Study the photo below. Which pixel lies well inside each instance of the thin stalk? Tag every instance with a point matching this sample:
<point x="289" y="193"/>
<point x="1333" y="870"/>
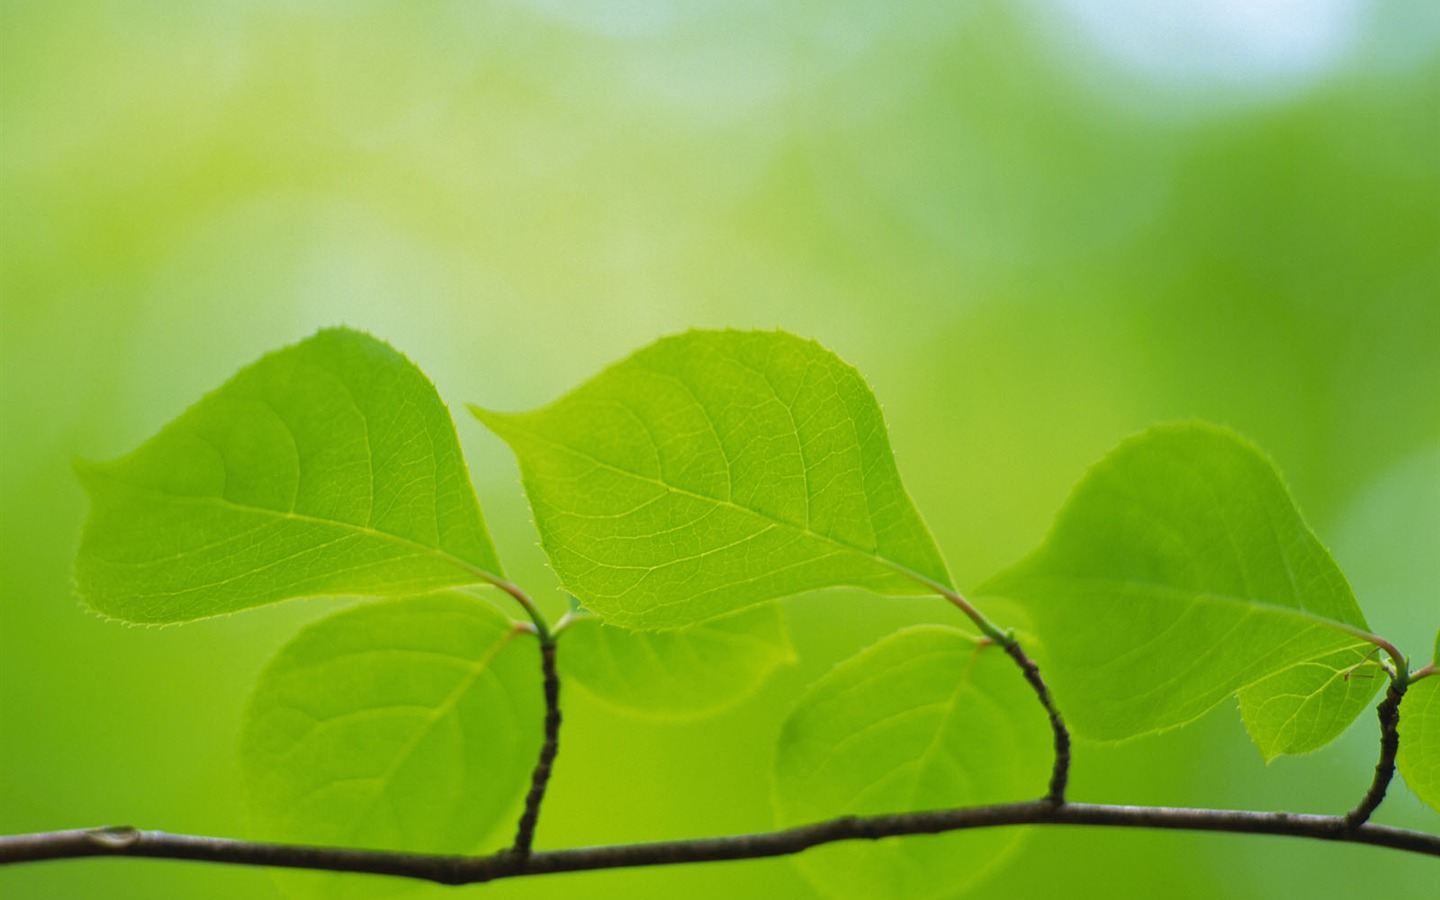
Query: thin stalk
<point x="1389" y="714"/>
<point x="542" y="627"/>
<point x="549" y="748"/>
<point x="1060" y="769"/>
<point x="550" y="743"/>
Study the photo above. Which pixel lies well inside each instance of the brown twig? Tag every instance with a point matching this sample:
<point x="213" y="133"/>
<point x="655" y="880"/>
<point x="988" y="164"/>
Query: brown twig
<point x="1389" y="714"/>
<point x="540" y="778"/>
<point x="131" y="842"/>
<point x="1060" y="770"/>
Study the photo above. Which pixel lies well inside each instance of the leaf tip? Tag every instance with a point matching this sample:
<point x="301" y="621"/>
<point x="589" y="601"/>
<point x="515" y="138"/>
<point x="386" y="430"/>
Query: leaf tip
<point x="495" y="421"/>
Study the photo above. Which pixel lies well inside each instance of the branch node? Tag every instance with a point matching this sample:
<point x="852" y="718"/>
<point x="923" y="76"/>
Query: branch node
<point x="115" y="837"/>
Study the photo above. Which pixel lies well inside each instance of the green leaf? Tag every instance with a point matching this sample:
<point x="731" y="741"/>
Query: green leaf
<point x="330" y="467"/>
<point x="404" y="724"/>
<point x="1179" y="573"/>
<point x="712" y="471"/>
<point x="925" y="719"/>
<point x="1305" y="707"/>
<point x="1419" y="756"/>
<point x="685" y="673"/>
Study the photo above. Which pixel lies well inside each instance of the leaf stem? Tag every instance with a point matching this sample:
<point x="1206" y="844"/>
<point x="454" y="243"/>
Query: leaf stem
<point x="1060" y="769"/>
<point x="570" y="618"/>
<point x="131" y="842"/>
<point x="542" y="627"/>
<point x="1389" y="714"/>
<point x="1400" y="662"/>
<point x="550" y="743"/>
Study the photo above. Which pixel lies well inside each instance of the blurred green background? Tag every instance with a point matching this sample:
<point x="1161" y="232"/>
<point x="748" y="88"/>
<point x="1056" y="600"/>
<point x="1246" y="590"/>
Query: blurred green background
<point x="1036" y="227"/>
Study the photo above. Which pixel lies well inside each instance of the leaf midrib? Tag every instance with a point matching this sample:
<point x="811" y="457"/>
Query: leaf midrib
<point x="1198" y="596"/>
<point x="894" y="566"/>
<point x="480" y="574"/>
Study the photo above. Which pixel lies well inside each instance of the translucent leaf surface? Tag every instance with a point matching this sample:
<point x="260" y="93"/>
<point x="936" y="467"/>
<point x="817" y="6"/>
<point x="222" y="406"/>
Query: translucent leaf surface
<point x="683" y="673"/>
<point x="1305" y="707"/>
<point x="329" y="467"/>
<point x="405" y="724"/>
<point x="925" y="719"/>
<point x="1419" y="757"/>
<point x="1178" y="573"/>
<point x="715" y="470"/>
